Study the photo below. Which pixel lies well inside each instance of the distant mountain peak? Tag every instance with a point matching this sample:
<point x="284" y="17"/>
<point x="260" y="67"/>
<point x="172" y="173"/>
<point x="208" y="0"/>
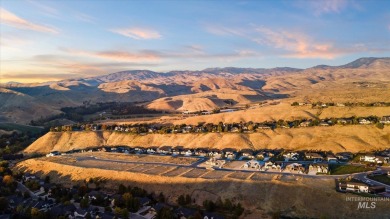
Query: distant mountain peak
<point x="365" y="62"/>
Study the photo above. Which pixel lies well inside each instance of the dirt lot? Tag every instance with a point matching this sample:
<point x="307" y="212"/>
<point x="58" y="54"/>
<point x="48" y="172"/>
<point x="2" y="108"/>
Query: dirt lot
<point x="140" y="158"/>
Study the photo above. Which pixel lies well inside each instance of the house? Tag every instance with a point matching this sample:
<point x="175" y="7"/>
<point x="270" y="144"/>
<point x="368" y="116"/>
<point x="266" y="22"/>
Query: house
<point x="364" y="121"/>
<point x="263" y="127"/>
<point x="314" y="156"/>
<point x="201" y="152"/>
<point x="215" y="153"/>
<point x="291" y="156"/>
<point x="247" y="153"/>
<point x="350" y="186"/>
<point x="230" y="153"/>
<point x="319" y="168"/>
<point x="375" y="159"/>
<point x="164" y="150"/>
<point x="235" y="129"/>
<point x="53" y="153"/>
<point x="264" y="155"/>
<point x="227" y="110"/>
<point x="295" y="167"/>
<point x="385" y="120"/>
<point x="177" y="150"/>
<point x="214" y="162"/>
<point x="323" y="123"/>
<point x="344" y="155"/>
<point x="189" y="152"/>
<point x="271" y="165"/>
<point x="152" y="150"/>
<point x="252" y="165"/>
<point x="340" y="104"/>
<point x="331" y="158"/>
<point x="305" y="124"/>
<point x="139" y="150"/>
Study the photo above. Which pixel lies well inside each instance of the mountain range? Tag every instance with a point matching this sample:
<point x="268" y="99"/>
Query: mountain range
<point x="192" y="90"/>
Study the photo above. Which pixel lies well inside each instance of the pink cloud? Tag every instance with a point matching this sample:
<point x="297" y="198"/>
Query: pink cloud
<point x="117" y="55"/>
<point x="10" y="19"/>
<point x="138" y="33"/>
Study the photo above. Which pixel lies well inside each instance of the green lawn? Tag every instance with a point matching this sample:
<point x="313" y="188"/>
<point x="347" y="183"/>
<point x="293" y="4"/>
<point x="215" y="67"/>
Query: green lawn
<point x="22" y="128"/>
<point x="381" y="178"/>
<point x="348" y="169"/>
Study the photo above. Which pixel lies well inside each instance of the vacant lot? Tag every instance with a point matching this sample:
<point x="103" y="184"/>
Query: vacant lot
<point x="195" y="173"/>
<point x="177" y="171"/>
<point x="140" y="158"/>
<point x="240" y="175"/>
<point x="216" y="174"/>
<point x="347" y="169"/>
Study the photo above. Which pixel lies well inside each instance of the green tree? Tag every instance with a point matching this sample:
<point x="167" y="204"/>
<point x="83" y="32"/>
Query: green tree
<point x="188" y="199"/>
<point x="380" y="125"/>
<point x="84" y="203"/>
<point x="165" y="213"/>
<point x="181" y="200"/>
<point x="121" y="189"/>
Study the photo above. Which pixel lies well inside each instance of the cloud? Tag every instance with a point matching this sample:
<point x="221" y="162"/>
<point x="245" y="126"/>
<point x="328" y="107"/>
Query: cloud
<point x="286" y="43"/>
<point x="138" y="33"/>
<point x="144" y="55"/>
<point x="298" y="45"/>
<point x="10" y="19"/>
<point x="320" y="7"/>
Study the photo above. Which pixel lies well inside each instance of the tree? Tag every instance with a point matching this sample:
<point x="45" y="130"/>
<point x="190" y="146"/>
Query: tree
<point x="188" y="199"/>
<point x="121" y="189"/>
<point x="380" y="126"/>
<point x="125" y="213"/>
<point x="164" y="213"/>
<point x="36" y="214"/>
<point x="84" y="203"/>
<point x="3" y="203"/>
<point x="8" y="180"/>
<point x="181" y="200"/>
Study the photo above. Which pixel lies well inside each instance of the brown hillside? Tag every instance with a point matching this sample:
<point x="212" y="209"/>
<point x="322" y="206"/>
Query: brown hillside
<point x="336" y="138"/>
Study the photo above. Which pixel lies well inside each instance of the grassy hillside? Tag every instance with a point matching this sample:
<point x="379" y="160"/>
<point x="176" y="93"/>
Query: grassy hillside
<point x="335" y="138"/>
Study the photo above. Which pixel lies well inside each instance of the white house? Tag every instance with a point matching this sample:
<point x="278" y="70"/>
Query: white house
<point x="364" y="121"/>
<point x="331" y="158"/>
<point x="353" y="187"/>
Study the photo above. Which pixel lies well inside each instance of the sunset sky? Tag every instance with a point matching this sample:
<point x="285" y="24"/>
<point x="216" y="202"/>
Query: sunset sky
<point x="54" y="40"/>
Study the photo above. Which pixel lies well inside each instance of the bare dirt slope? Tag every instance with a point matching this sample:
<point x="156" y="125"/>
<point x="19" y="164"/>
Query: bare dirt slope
<point x="335" y="138"/>
<point x="264" y="194"/>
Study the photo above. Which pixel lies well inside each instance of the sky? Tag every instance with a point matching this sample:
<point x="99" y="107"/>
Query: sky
<point x="55" y="40"/>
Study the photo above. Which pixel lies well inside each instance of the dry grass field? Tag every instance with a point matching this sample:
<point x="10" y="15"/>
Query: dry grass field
<point x="337" y="138"/>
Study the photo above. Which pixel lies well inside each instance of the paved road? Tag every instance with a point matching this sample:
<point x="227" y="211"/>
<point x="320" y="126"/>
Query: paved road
<point x="24" y="189"/>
